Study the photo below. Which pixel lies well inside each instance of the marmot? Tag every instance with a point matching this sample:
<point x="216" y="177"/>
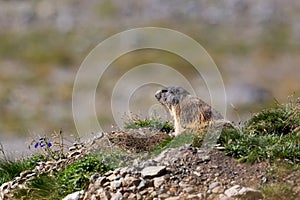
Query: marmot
<point x="189" y="112"/>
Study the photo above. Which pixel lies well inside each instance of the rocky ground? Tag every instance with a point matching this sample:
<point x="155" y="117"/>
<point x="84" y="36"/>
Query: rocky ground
<point x="185" y="172"/>
<point x="179" y="173"/>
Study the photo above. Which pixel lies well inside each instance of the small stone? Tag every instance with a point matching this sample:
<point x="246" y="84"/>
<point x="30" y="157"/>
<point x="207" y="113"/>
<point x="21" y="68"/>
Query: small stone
<point x="233" y="191"/>
<point x="100" y="181"/>
<point x="213" y="185"/>
<point x="117" y="196"/>
<point x="74" y="196"/>
<point x="94" y="177"/>
<point x="173" y="190"/>
<point x="197" y="173"/>
<point x="132" y="196"/>
<point x="106" y="184"/>
<point x="183" y="184"/>
<point x="158" y="181"/>
<point x="153" y="194"/>
<point x="217" y="190"/>
<point x="5" y="186"/>
<point x="144" y="192"/>
<point x="129" y="181"/>
<point x="124" y="171"/>
<point x="132" y="188"/>
<point x="188" y="190"/>
<point x="116" y="184"/>
<point x="205" y="158"/>
<point x="73" y="154"/>
<point x="144" y="184"/>
<point x="111" y="177"/>
<point x="108" y="173"/>
<point x="192" y="196"/>
<point x="224" y="197"/>
<point x="172" y="198"/>
<point x="163" y="196"/>
<point x="250" y="194"/>
<point x="72" y="148"/>
<point x="25" y="173"/>
<point x="105" y="195"/>
<point x="139" y="196"/>
<point x="153" y="171"/>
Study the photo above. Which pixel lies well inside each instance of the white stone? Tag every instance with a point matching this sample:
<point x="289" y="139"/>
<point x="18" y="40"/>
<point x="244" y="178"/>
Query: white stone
<point x="250" y="194"/>
<point x="233" y="191"/>
<point x="158" y="181"/>
<point x="74" y="196"/>
<point x="152" y="171"/>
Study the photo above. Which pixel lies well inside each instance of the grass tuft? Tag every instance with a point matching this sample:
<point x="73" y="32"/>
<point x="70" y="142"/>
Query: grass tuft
<point x="269" y="135"/>
<point x="153" y="123"/>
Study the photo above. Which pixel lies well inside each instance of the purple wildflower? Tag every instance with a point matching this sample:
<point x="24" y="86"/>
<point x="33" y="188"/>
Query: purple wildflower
<point x="42" y="144"/>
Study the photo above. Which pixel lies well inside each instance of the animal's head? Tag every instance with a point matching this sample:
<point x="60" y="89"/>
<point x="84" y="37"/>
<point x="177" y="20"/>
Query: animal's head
<point x="171" y="95"/>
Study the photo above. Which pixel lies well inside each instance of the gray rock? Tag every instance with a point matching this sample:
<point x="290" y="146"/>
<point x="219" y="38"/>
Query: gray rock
<point x="116" y="184"/>
<point x="250" y="194"/>
<point x="94" y="177"/>
<point x="188" y="190"/>
<point x="172" y="198"/>
<point x="74" y="196"/>
<point x="153" y="171"/>
<point x="111" y="177"/>
<point x="105" y="195"/>
<point x="213" y="185"/>
<point x="117" y="196"/>
<point x="233" y="191"/>
<point x="158" y="181"/>
<point x="101" y="181"/>
<point x="25" y="173"/>
<point x="144" y="184"/>
<point x="217" y="190"/>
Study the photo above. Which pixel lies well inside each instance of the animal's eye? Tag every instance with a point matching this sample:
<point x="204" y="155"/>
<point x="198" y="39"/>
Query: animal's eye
<point x="164" y="90"/>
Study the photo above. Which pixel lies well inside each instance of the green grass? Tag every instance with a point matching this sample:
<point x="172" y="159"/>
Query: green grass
<point x="41" y="187"/>
<point x="10" y="169"/>
<point x="278" y="192"/>
<point x="76" y="176"/>
<point x="182" y="139"/>
<point x="269" y="135"/>
<point x="73" y="178"/>
<point x="154" y="123"/>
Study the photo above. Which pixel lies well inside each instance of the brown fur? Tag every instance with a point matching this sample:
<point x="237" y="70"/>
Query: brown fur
<point x="189" y="112"/>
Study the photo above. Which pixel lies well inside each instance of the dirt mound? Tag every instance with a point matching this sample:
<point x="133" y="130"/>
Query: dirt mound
<point x="137" y="140"/>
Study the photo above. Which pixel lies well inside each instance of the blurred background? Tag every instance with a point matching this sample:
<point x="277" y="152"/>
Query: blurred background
<point x="255" y="44"/>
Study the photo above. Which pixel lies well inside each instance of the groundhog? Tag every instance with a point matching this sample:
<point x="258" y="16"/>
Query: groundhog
<point x="189" y="112"/>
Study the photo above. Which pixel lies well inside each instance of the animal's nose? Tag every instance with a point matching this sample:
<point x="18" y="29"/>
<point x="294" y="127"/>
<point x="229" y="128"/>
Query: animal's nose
<point x="158" y="94"/>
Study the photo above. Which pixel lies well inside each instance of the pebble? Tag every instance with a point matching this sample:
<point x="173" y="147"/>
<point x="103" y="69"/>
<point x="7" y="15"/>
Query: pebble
<point x="152" y="171"/>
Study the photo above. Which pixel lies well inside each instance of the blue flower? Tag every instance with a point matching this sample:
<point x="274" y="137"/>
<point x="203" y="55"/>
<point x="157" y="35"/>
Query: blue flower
<point x="42" y="142"/>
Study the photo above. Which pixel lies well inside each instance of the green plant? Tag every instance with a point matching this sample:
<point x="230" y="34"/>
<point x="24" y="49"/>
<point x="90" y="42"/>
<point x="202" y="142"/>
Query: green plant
<point x="269" y="135"/>
<point x="182" y="139"/>
<point x="52" y="148"/>
<point x="10" y="168"/>
<point x="154" y="123"/>
<point x="41" y="187"/>
<point x="76" y="176"/>
<point x="278" y="192"/>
